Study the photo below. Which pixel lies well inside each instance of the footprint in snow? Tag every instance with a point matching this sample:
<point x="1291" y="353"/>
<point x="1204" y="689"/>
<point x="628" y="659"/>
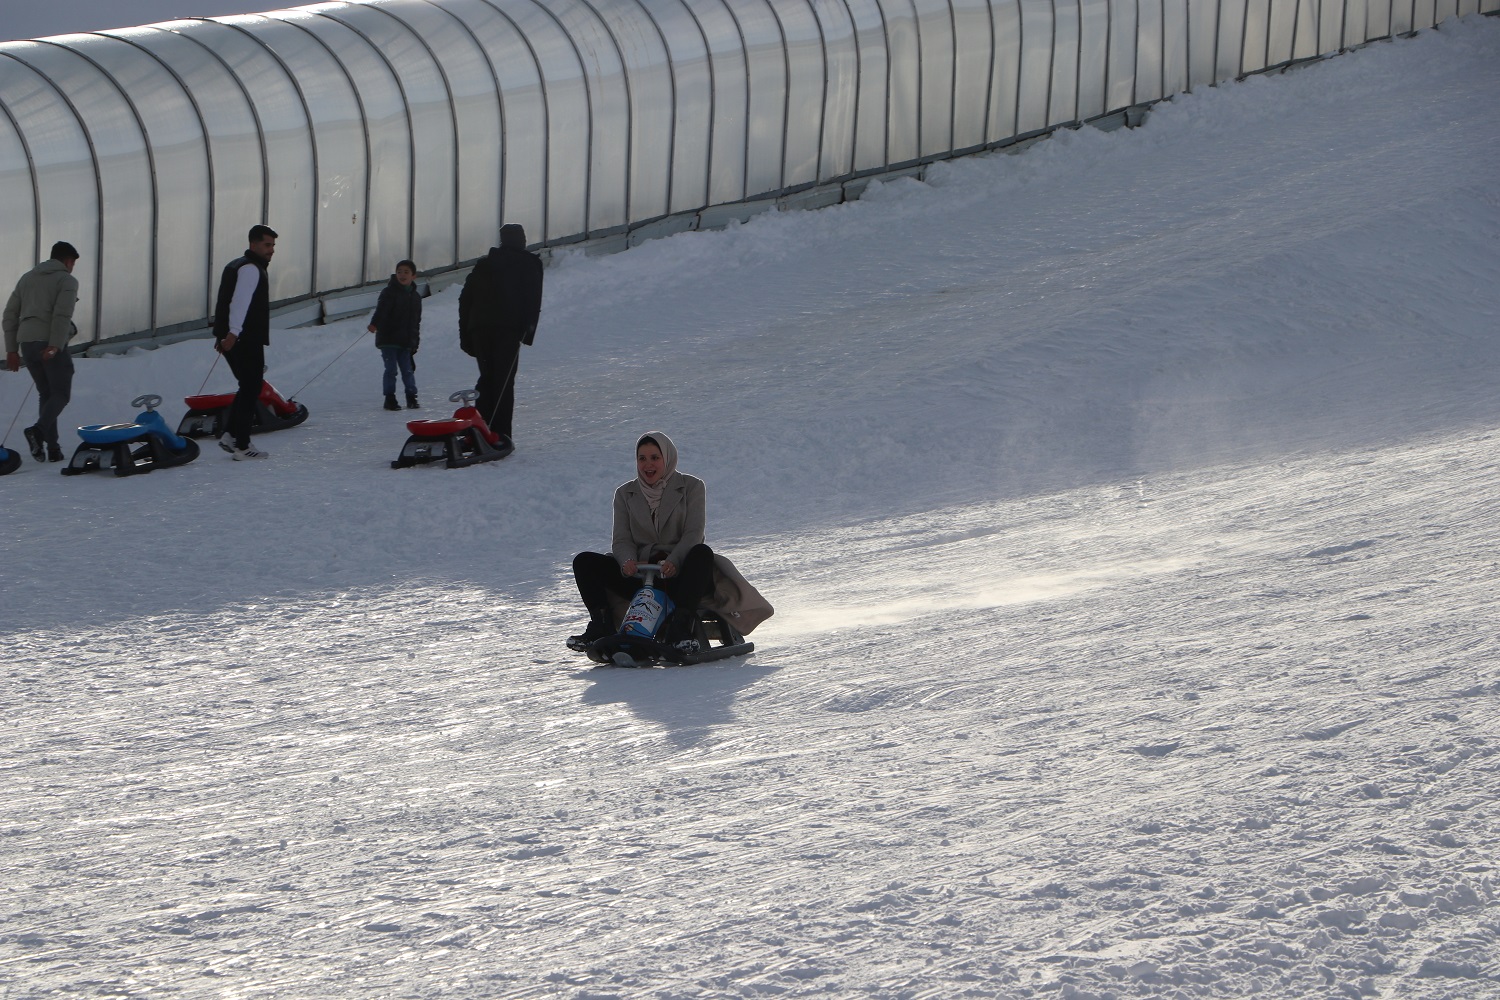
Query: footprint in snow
<point x="1329" y="732"/>
<point x="1156" y="749"/>
<point x="1339" y="550"/>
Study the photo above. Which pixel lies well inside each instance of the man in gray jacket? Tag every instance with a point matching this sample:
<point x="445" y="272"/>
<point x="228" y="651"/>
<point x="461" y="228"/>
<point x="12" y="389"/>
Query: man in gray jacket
<point x="38" y="327"/>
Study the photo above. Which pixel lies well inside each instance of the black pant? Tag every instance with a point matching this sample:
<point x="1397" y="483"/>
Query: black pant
<point x="497" y="386"/>
<point x="598" y="576"/>
<point x="54" y="385"/>
<point x="248" y="362"/>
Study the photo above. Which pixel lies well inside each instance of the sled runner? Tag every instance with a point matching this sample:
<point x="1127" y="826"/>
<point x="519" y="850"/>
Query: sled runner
<point x="463" y="439"/>
<point x="132" y="448"/>
<point x="641" y="642"/>
<point x="10" y="461"/>
<point x="208" y="416"/>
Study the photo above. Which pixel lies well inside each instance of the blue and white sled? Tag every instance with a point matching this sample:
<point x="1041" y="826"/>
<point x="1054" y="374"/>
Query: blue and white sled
<point x="638" y="643"/>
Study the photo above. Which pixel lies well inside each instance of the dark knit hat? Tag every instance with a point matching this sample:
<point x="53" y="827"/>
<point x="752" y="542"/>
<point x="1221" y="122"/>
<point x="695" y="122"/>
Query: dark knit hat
<point x="513" y="236"/>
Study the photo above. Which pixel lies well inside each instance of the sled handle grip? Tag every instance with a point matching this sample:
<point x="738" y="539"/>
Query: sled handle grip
<point x="149" y="400"/>
<point x="648" y="572"/>
<point x="464" y="396"/>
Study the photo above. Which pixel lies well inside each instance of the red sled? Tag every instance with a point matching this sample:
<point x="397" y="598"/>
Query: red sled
<point x="208" y="416"/>
<point x="463" y="439"/>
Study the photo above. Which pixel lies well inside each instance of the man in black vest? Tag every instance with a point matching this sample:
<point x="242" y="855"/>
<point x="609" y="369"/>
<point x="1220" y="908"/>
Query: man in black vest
<point x="497" y="313"/>
<point x="242" y="329"/>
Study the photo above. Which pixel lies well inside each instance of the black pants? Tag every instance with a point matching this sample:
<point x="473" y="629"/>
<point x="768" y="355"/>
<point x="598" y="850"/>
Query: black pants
<point x="598" y="576"/>
<point x="497" y="386"/>
<point x="54" y="385"/>
<point x="248" y="362"/>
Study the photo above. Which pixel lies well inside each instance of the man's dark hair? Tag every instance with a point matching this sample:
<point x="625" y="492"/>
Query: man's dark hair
<point x="63" y="251"/>
<point x="258" y="233"/>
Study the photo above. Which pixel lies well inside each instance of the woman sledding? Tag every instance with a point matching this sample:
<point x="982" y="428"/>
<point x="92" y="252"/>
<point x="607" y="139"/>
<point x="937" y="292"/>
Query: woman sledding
<point x="659" y="519"/>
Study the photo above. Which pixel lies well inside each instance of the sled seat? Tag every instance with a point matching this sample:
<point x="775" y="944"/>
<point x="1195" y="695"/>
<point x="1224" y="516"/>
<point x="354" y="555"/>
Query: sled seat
<point x="213" y="401"/>
<point x="464" y="418"/>
<point x="438" y="428"/>
<point x="111" y="433"/>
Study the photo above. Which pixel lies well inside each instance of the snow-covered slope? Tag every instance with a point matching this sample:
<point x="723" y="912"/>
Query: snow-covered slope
<point x="1129" y="508"/>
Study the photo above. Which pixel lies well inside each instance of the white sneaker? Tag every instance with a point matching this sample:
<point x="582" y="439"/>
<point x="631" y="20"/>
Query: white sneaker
<point x="246" y="454"/>
<point x="226" y="442"/>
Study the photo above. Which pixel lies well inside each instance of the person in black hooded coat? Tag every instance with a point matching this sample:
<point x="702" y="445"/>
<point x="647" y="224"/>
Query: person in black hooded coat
<point x="497" y="313"/>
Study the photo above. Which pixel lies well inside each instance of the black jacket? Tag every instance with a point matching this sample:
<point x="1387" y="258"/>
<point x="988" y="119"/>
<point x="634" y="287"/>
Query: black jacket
<point x="501" y="301"/>
<point x="257" y="328"/>
<point x="398" y="316"/>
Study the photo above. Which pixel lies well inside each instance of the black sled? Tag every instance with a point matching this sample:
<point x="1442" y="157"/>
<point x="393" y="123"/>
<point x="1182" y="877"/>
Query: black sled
<point x="460" y="440"/>
<point x="208" y="416"/>
<point x="711" y="638"/>
<point x="134" y="448"/>
<point x="716" y="638"/>
<point x="10" y="461"/>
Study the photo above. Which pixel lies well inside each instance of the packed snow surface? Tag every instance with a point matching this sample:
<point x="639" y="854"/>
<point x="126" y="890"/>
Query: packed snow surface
<point x="1129" y="505"/>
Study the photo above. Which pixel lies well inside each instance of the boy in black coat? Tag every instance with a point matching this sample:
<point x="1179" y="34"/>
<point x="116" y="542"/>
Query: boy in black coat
<point x="397" y="326"/>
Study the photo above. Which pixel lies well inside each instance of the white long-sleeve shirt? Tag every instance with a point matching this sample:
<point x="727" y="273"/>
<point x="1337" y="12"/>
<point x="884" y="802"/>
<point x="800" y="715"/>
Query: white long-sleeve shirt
<point x="245" y="284"/>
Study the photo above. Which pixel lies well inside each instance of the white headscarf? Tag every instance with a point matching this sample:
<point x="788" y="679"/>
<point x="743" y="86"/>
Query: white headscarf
<point x="669" y="459"/>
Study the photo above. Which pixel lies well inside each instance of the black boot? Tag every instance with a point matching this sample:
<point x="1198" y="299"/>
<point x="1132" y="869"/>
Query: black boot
<point x="679" y="631"/>
<point x="600" y="625"/>
<point x="390" y="401"/>
<point x="411" y="401"/>
<point x="34" y="442"/>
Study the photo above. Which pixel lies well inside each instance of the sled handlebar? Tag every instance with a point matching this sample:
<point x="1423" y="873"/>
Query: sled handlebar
<point x="149" y="400"/>
<point x="466" y="396"/>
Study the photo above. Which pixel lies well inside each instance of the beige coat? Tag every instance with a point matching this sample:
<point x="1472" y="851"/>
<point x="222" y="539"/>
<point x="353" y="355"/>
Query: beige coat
<point x="41" y="307"/>
<point x="676" y="528"/>
<point x="735" y="599"/>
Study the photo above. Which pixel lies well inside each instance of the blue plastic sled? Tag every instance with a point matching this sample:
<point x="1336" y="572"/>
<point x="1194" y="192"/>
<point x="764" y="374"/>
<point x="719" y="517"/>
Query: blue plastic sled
<point x="132" y="448"/>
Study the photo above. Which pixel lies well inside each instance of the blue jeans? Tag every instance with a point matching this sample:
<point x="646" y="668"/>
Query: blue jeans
<point x="398" y="358"/>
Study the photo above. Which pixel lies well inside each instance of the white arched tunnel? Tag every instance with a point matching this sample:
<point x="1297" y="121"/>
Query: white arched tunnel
<point x="373" y="131"/>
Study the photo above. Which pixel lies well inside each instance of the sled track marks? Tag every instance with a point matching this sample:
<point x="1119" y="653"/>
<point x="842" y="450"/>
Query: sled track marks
<point x="1128" y="787"/>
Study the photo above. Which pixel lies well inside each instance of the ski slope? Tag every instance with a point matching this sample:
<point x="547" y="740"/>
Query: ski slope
<point x="1129" y="506"/>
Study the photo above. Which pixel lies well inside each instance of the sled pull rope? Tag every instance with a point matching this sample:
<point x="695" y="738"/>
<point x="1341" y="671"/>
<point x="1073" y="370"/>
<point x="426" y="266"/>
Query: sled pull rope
<point x="489" y="418"/>
<point x="210" y="372"/>
<point x="293" y="397"/>
<point x="24" y="397"/>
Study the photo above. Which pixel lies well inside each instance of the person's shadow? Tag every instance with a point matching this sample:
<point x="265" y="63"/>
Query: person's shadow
<point x="688" y="702"/>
